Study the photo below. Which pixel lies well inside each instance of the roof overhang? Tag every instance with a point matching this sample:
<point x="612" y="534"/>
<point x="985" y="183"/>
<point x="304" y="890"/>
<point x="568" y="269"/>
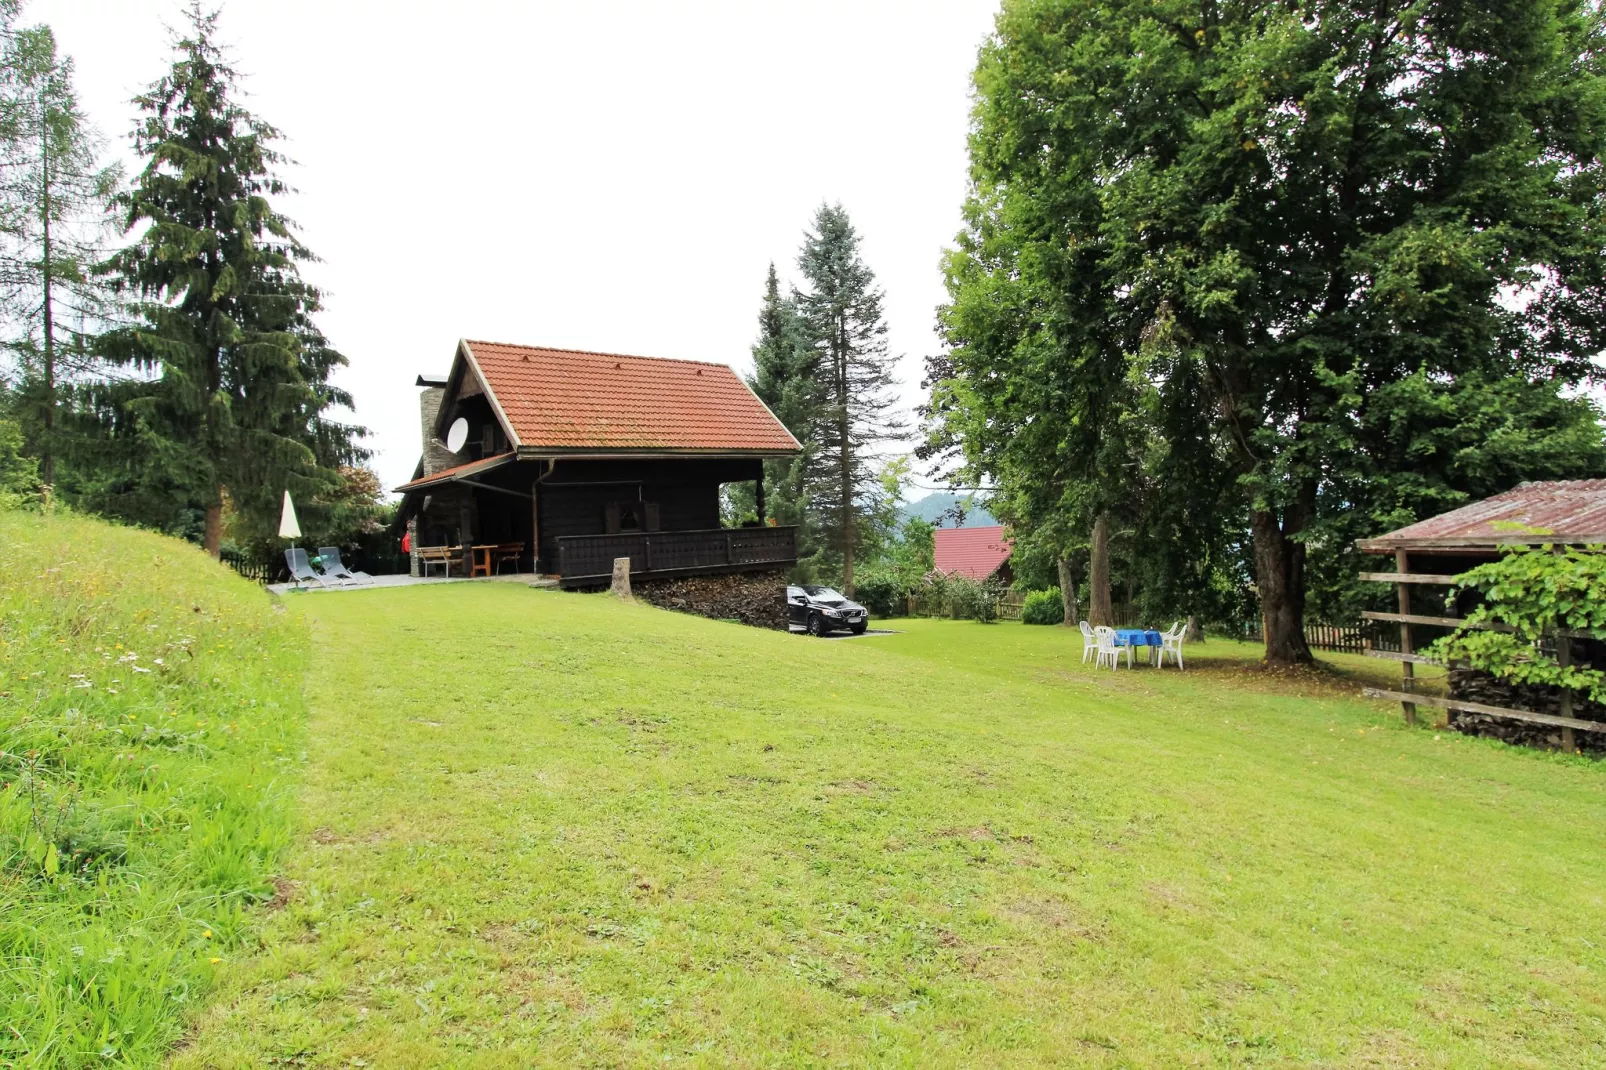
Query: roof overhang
<point x="463" y="363"/>
<point x="460" y="473"/>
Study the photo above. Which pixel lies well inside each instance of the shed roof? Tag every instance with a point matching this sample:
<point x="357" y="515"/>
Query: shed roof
<point x="1562" y="511"/>
<point x="570" y="400"/>
<point x="973" y="552"/>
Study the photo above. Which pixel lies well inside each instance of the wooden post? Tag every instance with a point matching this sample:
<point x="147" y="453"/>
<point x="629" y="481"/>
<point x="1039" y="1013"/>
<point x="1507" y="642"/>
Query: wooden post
<point x="535" y="527"/>
<point x="621" y="579"/>
<point x="1564" y="658"/>
<point x="1402" y="564"/>
<point x="758" y="493"/>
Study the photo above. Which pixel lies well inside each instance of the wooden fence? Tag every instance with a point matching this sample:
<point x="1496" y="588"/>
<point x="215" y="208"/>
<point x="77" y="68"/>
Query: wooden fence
<point x="1337" y="638"/>
<point x="251" y="570"/>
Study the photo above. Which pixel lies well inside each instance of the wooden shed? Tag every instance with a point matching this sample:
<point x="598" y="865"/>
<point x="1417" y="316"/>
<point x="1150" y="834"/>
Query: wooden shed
<point x="1429" y="555"/>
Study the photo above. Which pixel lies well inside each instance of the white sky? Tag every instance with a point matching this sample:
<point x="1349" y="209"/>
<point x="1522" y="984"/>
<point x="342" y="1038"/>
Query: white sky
<point x="606" y="174"/>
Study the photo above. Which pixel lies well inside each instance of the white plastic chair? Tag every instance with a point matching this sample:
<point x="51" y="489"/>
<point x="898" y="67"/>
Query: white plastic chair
<point x="1108" y="649"/>
<point x="1090" y="642"/>
<point x="1172" y="641"/>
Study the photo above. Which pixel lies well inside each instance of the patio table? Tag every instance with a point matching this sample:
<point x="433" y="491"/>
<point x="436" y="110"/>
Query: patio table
<point x="1138" y="637"/>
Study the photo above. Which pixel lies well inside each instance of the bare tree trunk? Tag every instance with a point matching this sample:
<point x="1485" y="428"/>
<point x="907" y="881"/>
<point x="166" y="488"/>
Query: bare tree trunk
<point x="1100" y="612"/>
<point x="47" y="312"/>
<point x="213" y="539"/>
<point x="1068" y="591"/>
<point x="1280" y="577"/>
<point x="1194" y="633"/>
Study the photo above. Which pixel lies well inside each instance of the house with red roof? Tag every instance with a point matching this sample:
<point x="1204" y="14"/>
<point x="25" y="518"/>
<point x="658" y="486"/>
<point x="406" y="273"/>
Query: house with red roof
<point x="561" y="460"/>
<point x="976" y="553"/>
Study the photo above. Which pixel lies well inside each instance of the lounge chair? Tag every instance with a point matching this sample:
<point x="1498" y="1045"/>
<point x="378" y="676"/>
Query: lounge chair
<point x="335" y="569"/>
<point x="301" y="568"/>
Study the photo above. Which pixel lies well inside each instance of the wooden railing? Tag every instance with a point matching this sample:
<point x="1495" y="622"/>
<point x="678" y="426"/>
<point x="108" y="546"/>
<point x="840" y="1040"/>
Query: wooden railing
<point x="584" y="560"/>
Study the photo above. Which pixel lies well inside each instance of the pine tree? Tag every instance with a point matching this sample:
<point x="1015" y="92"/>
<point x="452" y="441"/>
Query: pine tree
<point x="58" y="194"/>
<point x="238" y="410"/>
<point x="785" y="377"/>
<point x="842" y="310"/>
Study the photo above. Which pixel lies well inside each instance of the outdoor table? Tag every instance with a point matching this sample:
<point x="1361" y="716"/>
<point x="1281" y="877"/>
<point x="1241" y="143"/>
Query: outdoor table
<point x="480" y="562"/>
<point x="1138" y="637"/>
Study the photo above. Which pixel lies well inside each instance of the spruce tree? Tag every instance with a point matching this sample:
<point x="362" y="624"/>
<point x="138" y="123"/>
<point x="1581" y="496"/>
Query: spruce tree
<point x="842" y="310"/>
<point x="58" y="194"/>
<point x="237" y="412"/>
<point x="785" y="377"/>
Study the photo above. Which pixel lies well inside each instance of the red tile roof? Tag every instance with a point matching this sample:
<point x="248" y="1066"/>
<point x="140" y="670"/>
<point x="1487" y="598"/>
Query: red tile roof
<point x="446" y="474"/>
<point x="972" y="552"/>
<point x="570" y="399"/>
<point x="1567" y="511"/>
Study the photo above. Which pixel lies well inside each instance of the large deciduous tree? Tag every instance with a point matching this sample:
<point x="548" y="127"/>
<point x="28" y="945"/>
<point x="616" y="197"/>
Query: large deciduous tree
<point x="842" y="310"/>
<point x="236" y="407"/>
<point x="1355" y="249"/>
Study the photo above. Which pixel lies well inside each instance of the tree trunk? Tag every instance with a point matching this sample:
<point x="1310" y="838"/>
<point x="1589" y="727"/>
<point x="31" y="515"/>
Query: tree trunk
<point x="1280" y="577"/>
<point x="1100" y="613"/>
<point x="47" y="460"/>
<point x="212" y="541"/>
<point x="1068" y="591"/>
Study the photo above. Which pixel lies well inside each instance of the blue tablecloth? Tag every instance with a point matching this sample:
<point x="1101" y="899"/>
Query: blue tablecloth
<point x="1136" y="637"/>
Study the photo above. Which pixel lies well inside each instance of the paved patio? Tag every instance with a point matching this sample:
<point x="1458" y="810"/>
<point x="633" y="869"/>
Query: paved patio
<point x="527" y="578"/>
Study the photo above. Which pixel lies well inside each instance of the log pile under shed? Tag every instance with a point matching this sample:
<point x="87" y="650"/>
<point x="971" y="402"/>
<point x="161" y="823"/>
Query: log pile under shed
<point x="1486" y="689"/>
<point x="757" y="599"/>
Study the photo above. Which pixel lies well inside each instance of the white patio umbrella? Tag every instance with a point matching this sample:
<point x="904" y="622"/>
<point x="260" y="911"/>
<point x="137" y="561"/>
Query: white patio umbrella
<point x="289" y="526"/>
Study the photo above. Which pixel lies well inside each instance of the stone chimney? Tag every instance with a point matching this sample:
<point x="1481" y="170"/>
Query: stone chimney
<point x="436" y="456"/>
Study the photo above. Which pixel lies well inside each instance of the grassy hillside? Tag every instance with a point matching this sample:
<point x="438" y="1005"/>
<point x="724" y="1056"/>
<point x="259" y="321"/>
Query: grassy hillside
<point x="549" y="829"/>
<point x="150" y="711"/>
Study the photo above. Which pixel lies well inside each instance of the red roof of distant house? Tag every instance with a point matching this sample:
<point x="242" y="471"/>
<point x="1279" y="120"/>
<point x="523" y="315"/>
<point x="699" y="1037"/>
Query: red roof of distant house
<point x="570" y="399"/>
<point x="972" y="552"/>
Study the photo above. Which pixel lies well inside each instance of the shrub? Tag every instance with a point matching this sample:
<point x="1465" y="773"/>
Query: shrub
<point x="880" y="593"/>
<point x="1536" y="593"/>
<point x="970" y="600"/>
<point x="1043" y="607"/>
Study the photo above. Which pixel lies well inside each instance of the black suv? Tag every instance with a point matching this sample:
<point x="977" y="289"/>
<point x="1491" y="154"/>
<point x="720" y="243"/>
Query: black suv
<point x="822" y="610"/>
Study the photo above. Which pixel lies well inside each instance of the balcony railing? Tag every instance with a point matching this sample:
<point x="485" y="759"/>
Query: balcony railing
<point x="587" y="560"/>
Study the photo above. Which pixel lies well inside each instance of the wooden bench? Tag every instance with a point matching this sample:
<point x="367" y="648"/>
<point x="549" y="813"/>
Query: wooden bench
<point x="439" y="555"/>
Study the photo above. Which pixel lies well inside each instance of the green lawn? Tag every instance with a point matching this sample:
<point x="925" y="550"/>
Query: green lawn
<point x="547" y="828"/>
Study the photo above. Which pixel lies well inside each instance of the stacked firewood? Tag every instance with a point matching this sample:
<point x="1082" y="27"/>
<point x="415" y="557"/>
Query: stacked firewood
<point x="757" y="599"/>
<point x="1474" y="685"/>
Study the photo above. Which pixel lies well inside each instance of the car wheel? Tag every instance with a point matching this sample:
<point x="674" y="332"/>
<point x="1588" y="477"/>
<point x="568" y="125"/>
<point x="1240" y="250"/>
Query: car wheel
<point x="817" y="626"/>
<point x="858" y="629"/>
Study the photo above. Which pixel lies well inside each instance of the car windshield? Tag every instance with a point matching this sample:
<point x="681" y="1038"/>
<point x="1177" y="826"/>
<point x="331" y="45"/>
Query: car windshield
<point x="824" y="594"/>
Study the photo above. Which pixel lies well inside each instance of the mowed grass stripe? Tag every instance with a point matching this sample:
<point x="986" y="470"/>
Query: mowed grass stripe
<point x="550" y="829"/>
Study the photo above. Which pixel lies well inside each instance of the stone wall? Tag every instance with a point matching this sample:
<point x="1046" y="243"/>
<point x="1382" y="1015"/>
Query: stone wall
<point x="757" y="599"/>
<point x="1476" y="686"/>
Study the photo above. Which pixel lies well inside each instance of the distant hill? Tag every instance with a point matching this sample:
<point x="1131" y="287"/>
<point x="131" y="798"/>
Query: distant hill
<point x="937" y="503"/>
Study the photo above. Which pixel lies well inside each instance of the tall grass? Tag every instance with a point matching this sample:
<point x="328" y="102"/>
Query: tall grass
<point x="150" y="717"/>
